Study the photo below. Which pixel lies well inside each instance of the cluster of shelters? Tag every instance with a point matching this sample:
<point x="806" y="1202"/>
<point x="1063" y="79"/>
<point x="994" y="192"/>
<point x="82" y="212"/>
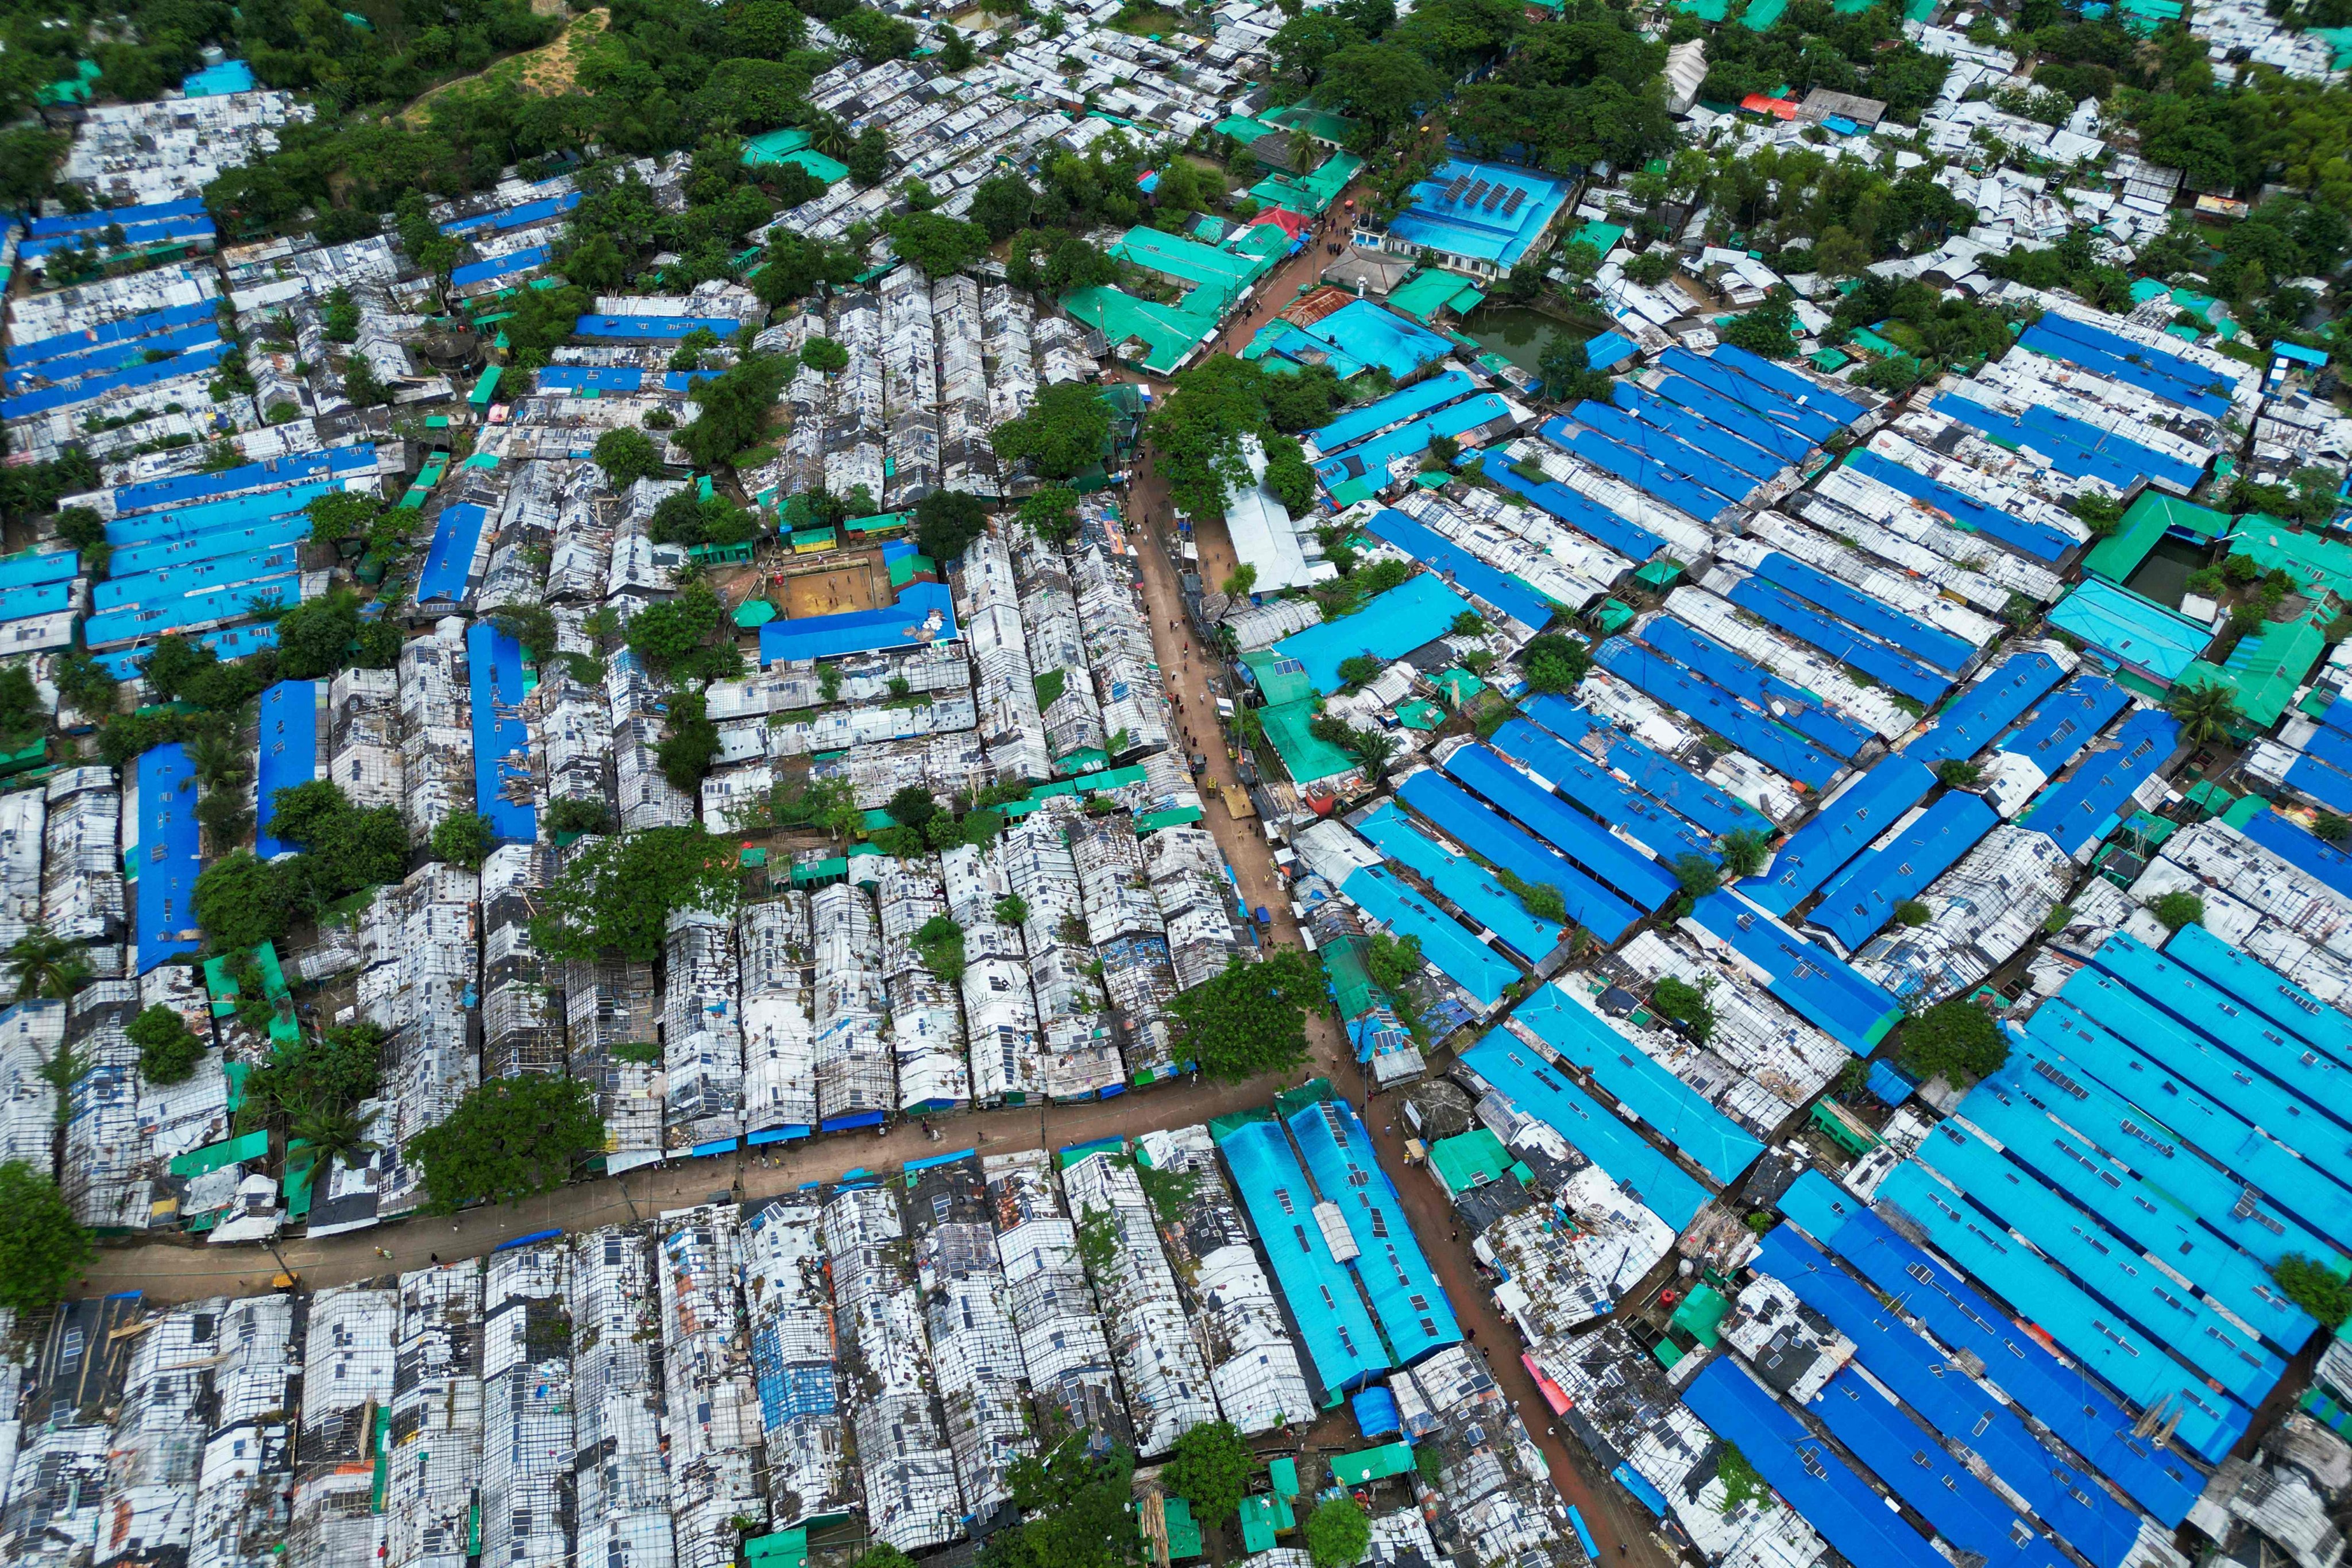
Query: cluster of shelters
<point x="876" y="1354"/>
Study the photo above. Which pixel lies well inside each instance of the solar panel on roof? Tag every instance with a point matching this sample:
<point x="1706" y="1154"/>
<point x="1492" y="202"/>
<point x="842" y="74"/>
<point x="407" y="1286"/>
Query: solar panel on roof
<point x="1512" y="205"/>
<point x="1476" y="191"/>
<point x="1454" y="189"/>
<point x="1493" y="196"/>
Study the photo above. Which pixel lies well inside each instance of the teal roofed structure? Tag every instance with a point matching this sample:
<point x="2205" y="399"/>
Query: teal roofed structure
<point x="1408" y="1302"/>
<point x="1538" y="1086"/>
<point x="1416" y="611"/>
<point x="1342" y="1345"/>
<point x="1678" y="1112"/>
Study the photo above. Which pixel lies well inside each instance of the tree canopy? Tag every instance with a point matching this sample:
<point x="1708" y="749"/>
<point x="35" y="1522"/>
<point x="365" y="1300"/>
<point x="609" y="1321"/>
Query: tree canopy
<point x="168" y="1049"/>
<point x="42" y="1247"/>
<point x="946" y="522"/>
<point x="617" y="894"/>
<point x="1251" y="1018"/>
<point x="1076" y="1510"/>
<point x="1210" y="1468"/>
<point x="510" y="1138"/>
<point x="1337" y="1533"/>
<point x="1065" y="432"/>
<point x="1199" y="428"/>
<point x="1956" y="1038"/>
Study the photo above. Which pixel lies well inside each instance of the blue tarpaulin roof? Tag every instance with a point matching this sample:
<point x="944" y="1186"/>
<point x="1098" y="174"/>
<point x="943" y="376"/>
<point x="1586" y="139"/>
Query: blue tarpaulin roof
<point x="2080" y="1413"/>
<point x="167" y="862"/>
<point x="1734" y="446"/>
<point x="1644" y="470"/>
<point x="105" y="357"/>
<point x="1716" y="711"/>
<point x="2040" y="1076"/>
<point x="2300" y="846"/>
<point x="179" y="489"/>
<point x="2056" y="731"/>
<point x="2076" y="1506"/>
<point x="1521" y="1075"/>
<point x="1714" y="810"/>
<point x="191" y="361"/>
<point x="1462" y="881"/>
<point x="1776" y="607"/>
<point x="1416" y="611"/>
<point x="924" y="613"/>
<point x="507" y="265"/>
<point x="1615" y="863"/>
<point x="2263" y="988"/>
<point x="271" y="537"/>
<point x="1784" y="701"/>
<point x="1405" y="404"/>
<point x="1987" y="706"/>
<point x="2061" y="1036"/>
<point x="129" y="328"/>
<point x="1928" y="645"/>
<point x="2073" y="445"/>
<point x="1469" y="575"/>
<point x="2135" y="1365"/>
<point x="185" y="525"/>
<point x="1670" y="451"/>
<point x="145" y="622"/>
<point x="1862" y="897"/>
<point x="2040" y="539"/>
<point x="449" y="562"/>
<point x="1338" y="1332"/>
<point x="2025" y="1206"/>
<point x="2170" y="375"/>
<point x="661" y="328"/>
<point x="1804" y="974"/>
<point x="1583" y="1039"/>
<point x="1465" y="960"/>
<point x="1788" y="443"/>
<point x="177" y="579"/>
<point x="1808" y="1474"/>
<point x="1809" y="419"/>
<point x="2159" y="1223"/>
<point x="28" y="568"/>
<point x="502" y="784"/>
<point x="1578" y="512"/>
<point x="2087" y="803"/>
<point x="1799" y="390"/>
<point x="1408" y="1302"/>
<point x="288" y="754"/>
<point x="1484" y="831"/>
<point x="1376" y="1412"/>
<point x="1587" y="783"/>
<point x="1845" y="825"/>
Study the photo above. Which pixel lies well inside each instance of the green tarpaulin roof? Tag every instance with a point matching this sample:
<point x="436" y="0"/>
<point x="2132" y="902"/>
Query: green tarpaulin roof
<point x="217" y="1156"/>
<point x="1371" y="1464"/>
<point x="1471" y="1160"/>
<point x="1305" y="756"/>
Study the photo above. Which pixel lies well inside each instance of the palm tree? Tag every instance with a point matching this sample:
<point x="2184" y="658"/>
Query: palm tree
<point x="2207" y="710"/>
<point x="44" y="964"/>
<point x="827" y="134"/>
<point x="334" y="1131"/>
<point x="1745" y="851"/>
<point x="218" y="760"/>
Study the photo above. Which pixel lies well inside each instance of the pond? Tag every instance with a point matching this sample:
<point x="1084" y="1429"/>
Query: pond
<point x="2164" y="575"/>
<point x="1518" y="334"/>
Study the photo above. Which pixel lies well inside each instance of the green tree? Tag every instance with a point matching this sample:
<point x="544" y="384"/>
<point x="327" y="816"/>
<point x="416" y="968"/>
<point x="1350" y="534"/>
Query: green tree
<point x="238" y="901"/>
<point x="1359" y="670"/>
<point x="627" y="455"/>
<point x="692" y="743"/>
<point x="1956" y="1038"/>
<point x="939" y="944"/>
<point x="1553" y="662"/>
<point x="1065" y="432"/>
<point x="618" y="893"/>
<point x="2177" y="909"/>
<point x="947" y="522"/>
<point x="869" y="158"/>
<point x="464" y="839"/>
<point x="511" y="1137"/>
<point x="1697" y="875"/>
<point x="1052" y="514"/>
<point x="1764" y="329"/>
<point x="1649" y="268"/>
<point x="824" y="356"/>
<point x="1077" y="1506"/>
<point x="1012" y="910"/>
<point x="1686" y="1005"/>
<point x="1959" y="772"/>
<point x="732" y="408"/>
<point x="2315" y="1288"/>
<point x="1745" y="851"/>
<point x="1337" y="1533"/>
<point x="334" y="1130"/>
<point x="315" y="636"/>
<point x="1912" y="912"/>
<point x="168" y="1049"/>
<point x="1741" y="1483"/>
<point x="1382" y="86"/>
<point x="42" y="1247"/>
<point x="1210" y="1467"/>
<point x="43" y="963"/>
<point x="2207" y="710"/>
<point x="1249" y="1019"/>
<point x="937" y="244"/>
<point x="1287" y="473"/>
<point x="342" y="514"/>
<point x="1002" y="204"/>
